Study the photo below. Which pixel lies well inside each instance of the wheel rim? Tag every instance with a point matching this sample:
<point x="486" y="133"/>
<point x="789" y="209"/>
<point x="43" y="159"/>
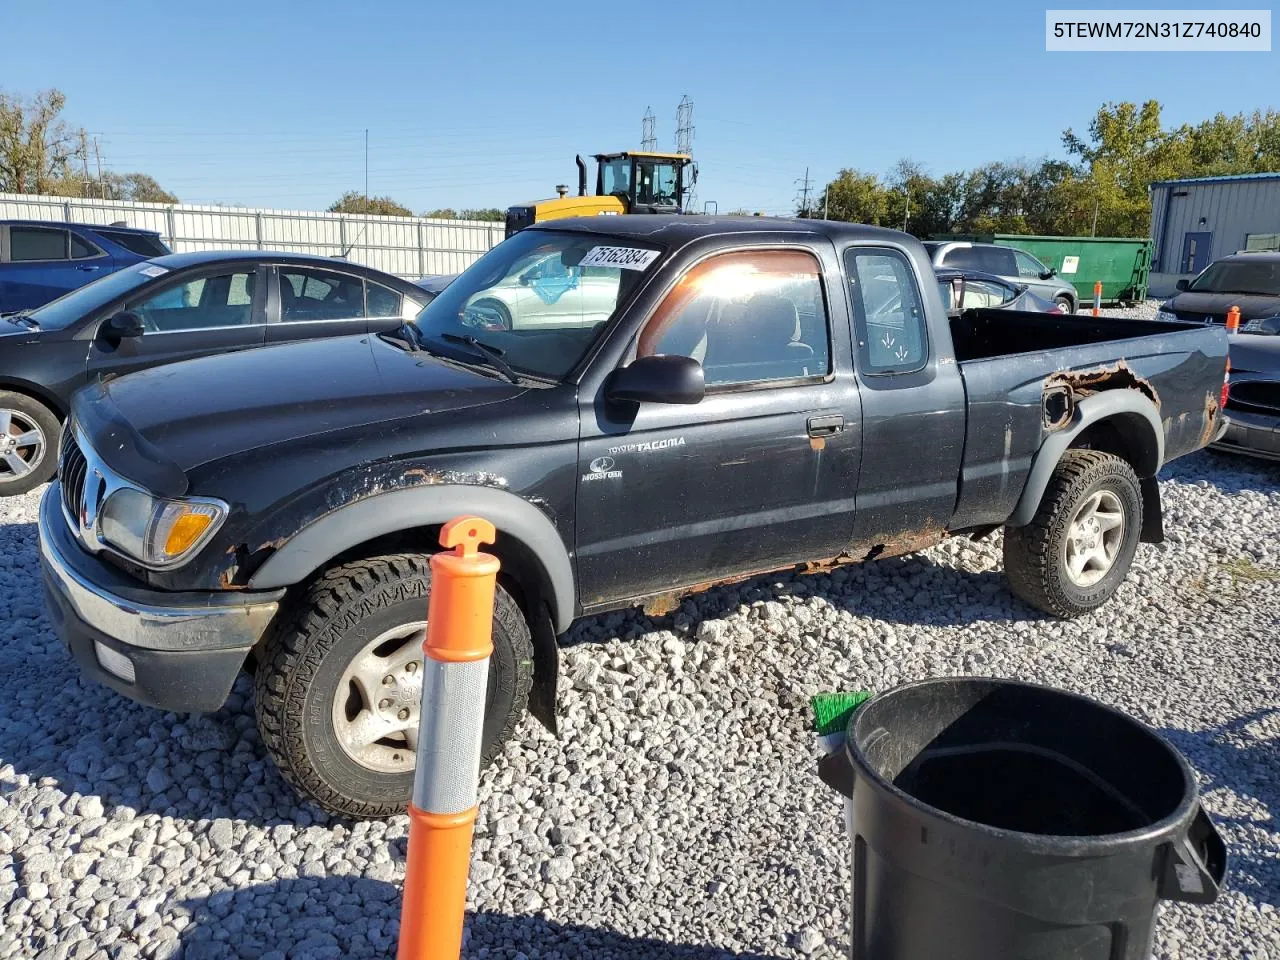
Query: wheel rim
<point x="1094" y="538"/>
<point x="378" y="701"/>
<point x="22" y="445"/>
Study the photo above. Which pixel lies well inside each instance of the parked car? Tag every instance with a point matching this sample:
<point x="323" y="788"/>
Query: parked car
<point x="764" y="394"/>
<point x="1250" y="281"/>
<point x="540" y="291"/>
<point x="434" y="283"/>
<point x="40" y="261"/>
<point x="171" y="308"/>
<point x="1253" y="396"/>
<point x="971" y="290"/>
<point x="1007" y="263"/>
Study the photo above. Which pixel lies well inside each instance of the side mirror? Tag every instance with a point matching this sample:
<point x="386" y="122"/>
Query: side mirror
<point x="125" y="325"/>
<point x="660" y="379"/>
<point x="1049" y="274"/>
<point x="1182" y="285"/>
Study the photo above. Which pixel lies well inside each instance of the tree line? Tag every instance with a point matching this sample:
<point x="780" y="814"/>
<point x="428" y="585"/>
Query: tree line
<point x="355" y="202"/>
<point x="1100" y="190"/>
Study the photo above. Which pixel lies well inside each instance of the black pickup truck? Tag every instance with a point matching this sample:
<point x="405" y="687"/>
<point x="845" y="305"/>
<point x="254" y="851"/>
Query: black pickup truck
<point x="644" y="407"/>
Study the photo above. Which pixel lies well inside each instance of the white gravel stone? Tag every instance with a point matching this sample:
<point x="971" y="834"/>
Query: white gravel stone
<point x="680" y="804"/>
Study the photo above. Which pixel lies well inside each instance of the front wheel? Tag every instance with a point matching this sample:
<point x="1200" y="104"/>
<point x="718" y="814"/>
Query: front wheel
<point x="1066" y="303"/>
<point x="1076" y="551"/>
<point x="339" y="686"/>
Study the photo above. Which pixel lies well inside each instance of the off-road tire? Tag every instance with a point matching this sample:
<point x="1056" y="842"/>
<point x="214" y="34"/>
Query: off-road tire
<point x="47" y="423"/>
<point x="315" y="639"/>
<point x="1035" y="555"/>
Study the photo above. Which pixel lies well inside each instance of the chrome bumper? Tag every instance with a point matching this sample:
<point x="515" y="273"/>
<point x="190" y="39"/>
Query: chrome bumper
<point x="177" y="651"/>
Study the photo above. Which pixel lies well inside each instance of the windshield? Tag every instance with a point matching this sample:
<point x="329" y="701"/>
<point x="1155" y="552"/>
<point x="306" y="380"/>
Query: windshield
<point x="541" y="298"/>
<point x="1239" y="276"/>
<point x="70" y="307"/>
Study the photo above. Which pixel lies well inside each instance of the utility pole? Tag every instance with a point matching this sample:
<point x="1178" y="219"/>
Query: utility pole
<point x="906" y="213"/>
<point x="648" y="125"/>
<point x="825" y="194"/>
<point x="802" y="200"/>
<point x="366" y="169"/>
<point x="1093" y="231"/>
<point x="102" y="186"/>
<point x="84" y="159"/>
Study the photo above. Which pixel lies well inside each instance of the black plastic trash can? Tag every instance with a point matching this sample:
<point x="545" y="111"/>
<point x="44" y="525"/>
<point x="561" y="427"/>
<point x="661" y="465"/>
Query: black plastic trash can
<point x="997" y="820"/>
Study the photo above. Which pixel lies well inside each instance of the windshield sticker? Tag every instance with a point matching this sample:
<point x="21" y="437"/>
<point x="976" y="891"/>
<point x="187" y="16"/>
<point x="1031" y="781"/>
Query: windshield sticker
<point x="649" y="445"/>
<point x="602" y="468"/>
<point x="154" y="270"/>
<point x="627" y="258"/>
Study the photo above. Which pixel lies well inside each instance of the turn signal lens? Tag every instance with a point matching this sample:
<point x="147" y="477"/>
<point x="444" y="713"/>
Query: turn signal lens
<point x="185" y="531"/>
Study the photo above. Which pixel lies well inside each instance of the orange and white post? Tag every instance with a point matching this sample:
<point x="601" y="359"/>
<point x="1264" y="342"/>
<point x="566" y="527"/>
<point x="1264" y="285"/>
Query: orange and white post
<point x="455" y="677"/>
<point x="1233" y="320"/>
<point x="1097" y="298"/>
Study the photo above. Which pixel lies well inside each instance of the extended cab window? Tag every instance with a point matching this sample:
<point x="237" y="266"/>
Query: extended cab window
<point x="887" y="311"/>
<point x="747" y="317"/>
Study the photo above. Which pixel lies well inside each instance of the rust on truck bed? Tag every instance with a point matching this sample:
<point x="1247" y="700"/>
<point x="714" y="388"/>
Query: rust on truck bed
<point x="1085" y="383"/>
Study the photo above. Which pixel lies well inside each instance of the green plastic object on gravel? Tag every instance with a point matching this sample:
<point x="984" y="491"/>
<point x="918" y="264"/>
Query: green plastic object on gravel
<point x="831" y="711"/>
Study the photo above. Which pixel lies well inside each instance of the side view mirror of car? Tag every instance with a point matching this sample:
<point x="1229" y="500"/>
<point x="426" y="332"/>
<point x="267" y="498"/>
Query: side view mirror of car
<point x="124" y="326"/>
<point x="1049" y="274"/>
<point x="659" y="379"/>
<point x="1182" y="284"/>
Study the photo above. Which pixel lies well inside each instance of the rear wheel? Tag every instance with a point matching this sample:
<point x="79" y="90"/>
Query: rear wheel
<point x="29" y="434"/>
<point x="1076" y="551"/>
<point x="339" y="685"/>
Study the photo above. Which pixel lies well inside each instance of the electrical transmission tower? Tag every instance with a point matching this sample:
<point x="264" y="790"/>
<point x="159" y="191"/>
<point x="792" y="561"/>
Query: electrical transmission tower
<point x="684" y="125"/>
<point x="804" y="185"/>
<point x="648" y="124"/>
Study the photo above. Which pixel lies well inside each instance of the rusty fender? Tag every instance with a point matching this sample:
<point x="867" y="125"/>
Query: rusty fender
<point x="1066" y="388"/>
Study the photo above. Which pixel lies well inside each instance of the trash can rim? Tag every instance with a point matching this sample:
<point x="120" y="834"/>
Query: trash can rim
<point x="1072" y="845"/>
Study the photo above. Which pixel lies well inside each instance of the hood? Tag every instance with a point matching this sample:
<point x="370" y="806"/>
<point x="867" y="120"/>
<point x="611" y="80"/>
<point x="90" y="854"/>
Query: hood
<point x="1198" y="306"/>
<point x="10" y="329"/>
<point x="186" y="414"/>
<point x="1255" y="354"/>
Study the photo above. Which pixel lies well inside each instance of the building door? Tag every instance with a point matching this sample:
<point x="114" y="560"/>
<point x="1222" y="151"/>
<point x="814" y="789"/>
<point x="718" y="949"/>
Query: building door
<point x="1195" y="252"/>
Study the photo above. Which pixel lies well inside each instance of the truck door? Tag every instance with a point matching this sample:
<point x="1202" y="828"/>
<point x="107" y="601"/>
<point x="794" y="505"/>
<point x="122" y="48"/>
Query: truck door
<point x="758" y="475"/>
<point x="913" y="402"/>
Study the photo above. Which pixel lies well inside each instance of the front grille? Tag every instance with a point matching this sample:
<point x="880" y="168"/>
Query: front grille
<point x="1255" y="396"/>
<point x="72" y="470"/>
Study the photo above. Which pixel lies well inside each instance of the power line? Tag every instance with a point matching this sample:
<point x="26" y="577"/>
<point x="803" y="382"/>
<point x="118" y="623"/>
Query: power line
<point x="648" y="125"/>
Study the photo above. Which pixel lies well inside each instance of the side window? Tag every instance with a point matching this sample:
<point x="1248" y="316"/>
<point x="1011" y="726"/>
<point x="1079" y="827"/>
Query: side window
<point x="1029" y="268"/>
<point x="962" y="258"/>
<point x="83" y="249"/>
<point x="747" y="317"/>
<point x="199" y="304"/>
<point x="997" y="260"/>
<point x="381" y="301"/>
<point x="37" y="243"/>
<point x="307" y="293"/>
<point x="888" y="314"/>
<point x="983" y="293"/>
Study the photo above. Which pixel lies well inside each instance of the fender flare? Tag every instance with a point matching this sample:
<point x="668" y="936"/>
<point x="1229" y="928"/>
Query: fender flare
<point x="1089" y="411"/>
<point x="399" y="510"/>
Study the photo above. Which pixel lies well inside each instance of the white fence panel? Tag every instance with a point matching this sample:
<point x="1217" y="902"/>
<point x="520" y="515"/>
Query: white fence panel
<point x="406" y="246"/>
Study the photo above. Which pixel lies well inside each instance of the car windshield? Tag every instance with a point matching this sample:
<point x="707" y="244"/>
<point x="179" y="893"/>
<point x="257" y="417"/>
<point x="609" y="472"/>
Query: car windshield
<point x="540" y="299"/>
<point x="1239" y="276"/>
<point x="70" y="307"/>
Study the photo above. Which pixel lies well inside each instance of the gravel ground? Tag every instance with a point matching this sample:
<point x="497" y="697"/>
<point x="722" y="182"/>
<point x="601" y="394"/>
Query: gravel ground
<point x="679" y="815"/>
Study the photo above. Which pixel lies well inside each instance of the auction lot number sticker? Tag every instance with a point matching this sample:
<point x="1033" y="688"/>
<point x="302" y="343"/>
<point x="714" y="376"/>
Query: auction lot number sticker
<point x="628" y="258"/>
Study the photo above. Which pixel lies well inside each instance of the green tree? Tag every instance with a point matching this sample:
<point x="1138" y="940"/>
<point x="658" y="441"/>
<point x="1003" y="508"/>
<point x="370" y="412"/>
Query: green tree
<point x="482" y="213"/>
<point x="355" y="202"/>
<point x="445" y="213"/>
<point x="35" y="144"/>
<point x="854" y="196"/>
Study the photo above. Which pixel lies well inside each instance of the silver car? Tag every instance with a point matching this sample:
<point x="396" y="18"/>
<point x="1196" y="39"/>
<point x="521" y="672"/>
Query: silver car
<point x="544" y="293"/>
<point x="1008" y="263"/>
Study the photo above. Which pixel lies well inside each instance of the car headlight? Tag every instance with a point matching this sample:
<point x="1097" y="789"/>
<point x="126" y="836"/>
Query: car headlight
<point x="155" y="531"/>
<point x="1166" y="315"/>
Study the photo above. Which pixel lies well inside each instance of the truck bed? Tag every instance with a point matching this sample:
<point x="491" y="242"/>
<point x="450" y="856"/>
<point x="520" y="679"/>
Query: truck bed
<point x="1010" y="360"/>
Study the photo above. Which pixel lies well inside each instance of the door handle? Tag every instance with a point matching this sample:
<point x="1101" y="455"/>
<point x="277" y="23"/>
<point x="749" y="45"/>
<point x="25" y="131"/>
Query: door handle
<point x="86" y="268"/>
<point x="825" y="426"/>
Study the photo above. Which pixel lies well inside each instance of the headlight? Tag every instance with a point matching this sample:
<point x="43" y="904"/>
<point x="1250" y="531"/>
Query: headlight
<point x="1166" y="315"/>
<point x="155" y="531"/>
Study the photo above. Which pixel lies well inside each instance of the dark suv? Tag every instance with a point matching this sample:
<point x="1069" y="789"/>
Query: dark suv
<point x="40" y="261"/>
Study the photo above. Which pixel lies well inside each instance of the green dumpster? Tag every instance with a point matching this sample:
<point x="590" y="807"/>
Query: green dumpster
<point x="1123" y="264"/>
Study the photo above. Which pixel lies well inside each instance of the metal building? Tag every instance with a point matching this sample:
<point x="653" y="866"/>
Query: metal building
<point x="1198" y="220"/>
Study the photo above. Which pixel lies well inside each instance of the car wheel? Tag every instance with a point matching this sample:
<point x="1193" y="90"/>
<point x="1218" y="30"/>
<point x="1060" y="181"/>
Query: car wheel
<point x="1066" y="303"/>
<point x="339" y="684"/>
<point x="488" y="314"/>
<point x="29" y="433"/>
<point x="1076" y="551"/>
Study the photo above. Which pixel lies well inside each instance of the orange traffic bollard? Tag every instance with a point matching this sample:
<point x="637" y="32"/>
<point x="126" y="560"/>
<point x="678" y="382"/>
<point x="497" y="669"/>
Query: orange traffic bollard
<point x="1233" y="320"/>
<point x="1097" y="297"/>
<point x="455" y="678"/>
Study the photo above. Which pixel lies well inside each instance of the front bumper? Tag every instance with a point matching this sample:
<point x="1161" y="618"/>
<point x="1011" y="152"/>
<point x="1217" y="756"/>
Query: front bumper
<point x="1253" y="434"/>
<point x="174" y="651"/>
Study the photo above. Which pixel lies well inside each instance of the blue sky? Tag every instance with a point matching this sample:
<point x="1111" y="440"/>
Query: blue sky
<point x="485" y="104"/>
